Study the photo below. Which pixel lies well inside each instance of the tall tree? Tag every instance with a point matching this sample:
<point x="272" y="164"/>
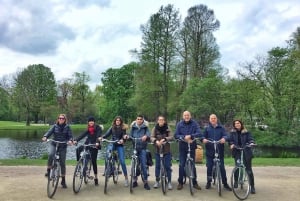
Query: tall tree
<point x="34" y="87"/>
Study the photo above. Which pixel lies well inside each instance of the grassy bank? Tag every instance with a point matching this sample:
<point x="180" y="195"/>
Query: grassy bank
<point x="228" y="162"/>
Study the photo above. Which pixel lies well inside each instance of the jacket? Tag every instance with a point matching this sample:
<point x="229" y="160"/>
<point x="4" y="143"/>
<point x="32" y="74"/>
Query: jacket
<point x="214" y="133"/>
<point x="61" y="133"/>
<point x="157" y="135"/>
<point x="138" y="132"/>
<point x="92" y="138"/>
<point x="246" y="138"/>
<point x="187" y="128"/>
<point x="116" y="133"/>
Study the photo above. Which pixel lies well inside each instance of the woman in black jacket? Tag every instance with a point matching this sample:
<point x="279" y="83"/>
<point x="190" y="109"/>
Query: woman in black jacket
<point x="92" y="133"/>
<point x="239" y="136"/>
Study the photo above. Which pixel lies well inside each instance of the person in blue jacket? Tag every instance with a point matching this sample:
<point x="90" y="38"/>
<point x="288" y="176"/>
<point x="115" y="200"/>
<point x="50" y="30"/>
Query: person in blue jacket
<point x="215" y="131"/>
<point x="187" y="129"/>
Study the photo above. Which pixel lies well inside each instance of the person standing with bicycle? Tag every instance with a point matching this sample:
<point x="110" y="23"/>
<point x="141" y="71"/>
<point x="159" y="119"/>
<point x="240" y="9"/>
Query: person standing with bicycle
<point x="187" y="129"/>
<point x="61" y="132"/>
<point x="240" y="137"/>
<point x="215" y="131"/>
<point x="161" y="133"/>
<point x="118" y="132"/>
<point x="139" y="129"/>
<point x="93" y="132"/>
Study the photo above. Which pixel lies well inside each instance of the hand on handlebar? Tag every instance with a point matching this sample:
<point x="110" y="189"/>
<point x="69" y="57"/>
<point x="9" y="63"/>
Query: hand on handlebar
<point x="144" y="138"/>
<point x="44" y="139"/>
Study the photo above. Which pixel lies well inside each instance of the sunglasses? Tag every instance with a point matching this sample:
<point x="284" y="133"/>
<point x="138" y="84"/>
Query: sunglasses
<point x="61" y="118"/>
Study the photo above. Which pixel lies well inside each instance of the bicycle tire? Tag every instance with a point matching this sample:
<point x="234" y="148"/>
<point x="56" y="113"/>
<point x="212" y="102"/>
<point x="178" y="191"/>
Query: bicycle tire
<point x="78" y="176"/>
<point x="218" y="178"/>
<point x="214" y="174"/>
<point x="116" y="167"/>
<point x="189" y="174"/>
<point x="107" y="173"/>
<point x="242" y="190"/>
<point x="132" y="174"/>
<point x="88" y="170"/>
<point x="53" y="180"/>
<point x="163" y="177"/>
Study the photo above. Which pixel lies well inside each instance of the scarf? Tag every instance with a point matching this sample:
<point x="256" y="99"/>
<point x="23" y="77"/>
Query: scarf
<point x="162" y="129"/>
<point x="91" y="130"/>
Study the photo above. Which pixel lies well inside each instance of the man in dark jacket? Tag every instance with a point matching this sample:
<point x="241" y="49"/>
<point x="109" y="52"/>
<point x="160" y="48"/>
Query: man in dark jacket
<point x="215" y="132"/>
<point x="187" y="129"/>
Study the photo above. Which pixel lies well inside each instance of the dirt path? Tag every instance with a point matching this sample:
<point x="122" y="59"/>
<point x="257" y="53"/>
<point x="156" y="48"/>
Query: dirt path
<point x="28" y="183"/>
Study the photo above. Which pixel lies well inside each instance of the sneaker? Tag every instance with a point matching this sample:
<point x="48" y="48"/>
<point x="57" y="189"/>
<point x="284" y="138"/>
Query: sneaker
<point x="170" y="187"/>
<point x="134" y="184"/>
<point x="156" y="184"/>
<point x="208" y="185"/>
<point x="146" y="186"/>
<point x="196" y="186"/>
<point x="179" y="186"/>
<point x="252" y="190"/>
<point x="96" y="182"/>
<point x="126" y="183"/>
<point x="227" y="187"/>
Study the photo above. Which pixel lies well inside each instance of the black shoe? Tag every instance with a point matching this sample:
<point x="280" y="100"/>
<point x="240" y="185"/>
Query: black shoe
<point x="146" y="186"/>
<point x="252" y="190"/>
<point x="235" y="185"/>
<point x="208" y="185"/>
<point x="64" y="185"/>
<point x="196" y="186"/>
<point x="96" y="182"/>
<point x="134" y="184"/>
<point x="227" y="187"/>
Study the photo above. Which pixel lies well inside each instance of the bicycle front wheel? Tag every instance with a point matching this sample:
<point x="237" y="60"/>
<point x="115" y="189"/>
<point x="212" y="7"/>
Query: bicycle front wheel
<point x="78" y="176"/>
<point x="132" y="174"/>
<point x="240" y="183"/>
<point x="87" y="173"/>
<point x="190" y="174"/>
<point x="116" y="169"/>
<point x="108" y="172"/>
<point x="53" y="179"/>
<point x="163" y="177"/>
<point x="218" y="179"/>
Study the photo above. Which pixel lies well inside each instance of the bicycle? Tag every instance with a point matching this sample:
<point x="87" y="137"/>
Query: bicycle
<point x="239" y="176"/>
<point x="163" y="173"/>
<point x="54" y="174"/>
<point x="216" y="172"/>
<point x="136" y="169"/>
<point x="112" y="165"/>
<point x="83" y="168"/>
<point x="189" y="166"/>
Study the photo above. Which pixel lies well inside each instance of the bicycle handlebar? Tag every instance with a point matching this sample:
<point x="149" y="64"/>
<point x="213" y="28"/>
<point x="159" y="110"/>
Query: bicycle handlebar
<point x="183" y="140"/>
<point x="245" y="146"/>
<point x="59" y="142"/>
<point x="213" y="141"/>
<point x="109" y="141"/>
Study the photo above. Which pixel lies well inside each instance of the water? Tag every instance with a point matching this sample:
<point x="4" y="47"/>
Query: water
<point x="27" y="144"/>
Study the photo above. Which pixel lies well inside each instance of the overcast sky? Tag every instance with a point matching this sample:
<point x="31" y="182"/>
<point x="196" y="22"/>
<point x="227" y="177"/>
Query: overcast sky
<point x="93" y="35"/>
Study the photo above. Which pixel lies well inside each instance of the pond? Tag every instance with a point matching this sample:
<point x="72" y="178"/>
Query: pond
<point x="28" y="144"/>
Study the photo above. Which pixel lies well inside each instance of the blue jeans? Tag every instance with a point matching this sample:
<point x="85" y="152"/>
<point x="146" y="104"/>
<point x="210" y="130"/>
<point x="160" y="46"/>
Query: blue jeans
<point x="142" y="154"/>
<point x="167" y="162"/>
<point x="62" y="157"/>
<point x="182" y="160"/>
<point x="209" y="165"/>
<point x="121" y="156"/>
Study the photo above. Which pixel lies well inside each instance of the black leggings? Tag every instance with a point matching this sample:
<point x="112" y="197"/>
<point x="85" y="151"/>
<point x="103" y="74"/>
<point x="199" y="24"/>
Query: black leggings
<point x="94" y="155"/>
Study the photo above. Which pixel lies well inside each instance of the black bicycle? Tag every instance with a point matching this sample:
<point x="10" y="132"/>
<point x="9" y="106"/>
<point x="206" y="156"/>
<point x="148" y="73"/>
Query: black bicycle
<point x="112" y="165"/>
<point x="189" y="166"/>
<point x="83" y="167"/>
<point x="136" y="169"/>
<point x="239" y="176"/>
<point x="54" y="175"/>
<point x="216" y="172"/>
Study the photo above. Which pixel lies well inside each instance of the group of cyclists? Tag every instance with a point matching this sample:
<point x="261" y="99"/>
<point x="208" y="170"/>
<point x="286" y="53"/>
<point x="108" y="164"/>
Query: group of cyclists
<point x="187" y="130"/>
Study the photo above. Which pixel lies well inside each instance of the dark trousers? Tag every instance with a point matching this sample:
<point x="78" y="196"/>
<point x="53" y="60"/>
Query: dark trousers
<point x="62" y="156"/>
<point x="248" y="165"/>
<point x="182" y="160"/>
<point x="94" y="155"/>
<point x="209" y="165"/>
<point x="167" y="163"/>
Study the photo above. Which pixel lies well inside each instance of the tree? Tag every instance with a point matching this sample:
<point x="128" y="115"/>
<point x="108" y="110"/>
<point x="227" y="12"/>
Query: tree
<point x="34" y="87"/>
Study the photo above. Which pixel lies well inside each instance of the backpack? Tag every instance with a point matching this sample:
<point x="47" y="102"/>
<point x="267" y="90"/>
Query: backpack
<point x="149" y="158"/>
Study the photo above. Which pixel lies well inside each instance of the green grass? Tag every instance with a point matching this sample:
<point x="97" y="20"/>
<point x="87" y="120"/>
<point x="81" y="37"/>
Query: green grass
<point x="257" y="162"/>
<point x="12" y="125"/>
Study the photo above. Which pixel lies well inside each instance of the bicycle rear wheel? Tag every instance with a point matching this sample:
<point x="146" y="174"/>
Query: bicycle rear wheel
<point x="108" y="172"/>
<point x="132" y="174"/>
<point x="78" y="176"/>
<point x="163" y="177"/>
<point x="240" y="183"/>
<point x="218" y="179"/>
<point x="190" y="175"/>
<point x="53" y="179"/>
